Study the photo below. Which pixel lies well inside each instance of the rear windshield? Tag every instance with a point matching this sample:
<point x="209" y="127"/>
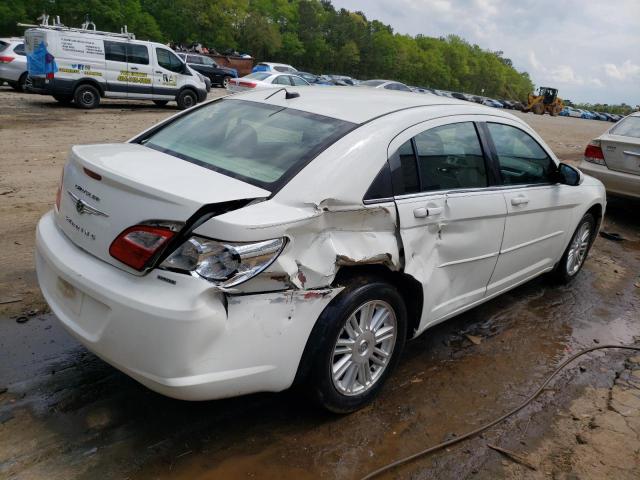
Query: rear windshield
<point x="264" y="145"/>
<point x="628" y="127"/>
<point x="3" y="45"/>
<point x="259" y="75"/>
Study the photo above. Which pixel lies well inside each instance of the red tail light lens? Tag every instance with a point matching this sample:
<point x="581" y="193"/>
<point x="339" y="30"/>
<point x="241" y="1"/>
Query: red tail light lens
<point x="50" y="76"/>
<point x="593" y="153"/>
<point x="6" y="59"/>
<point x="248" y="84"/>
<point x="138" y="244"/>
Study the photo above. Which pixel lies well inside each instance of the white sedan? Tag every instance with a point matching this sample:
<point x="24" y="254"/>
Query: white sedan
<point x="265" y="80"/>
<point x="614" y="158"/>
<point x="257" y="241"/>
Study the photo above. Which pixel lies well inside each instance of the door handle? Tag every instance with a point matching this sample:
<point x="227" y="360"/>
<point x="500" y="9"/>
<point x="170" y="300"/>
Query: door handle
<point x="521" y="200"/>
<point x="634" y="154"/>
<point x="158" y="71"/>
<point x="424" y="212"/>
<point x="133" y="68"/>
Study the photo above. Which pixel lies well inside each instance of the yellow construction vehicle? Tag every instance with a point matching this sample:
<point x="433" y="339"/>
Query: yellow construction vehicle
<point x="546" y="100"/>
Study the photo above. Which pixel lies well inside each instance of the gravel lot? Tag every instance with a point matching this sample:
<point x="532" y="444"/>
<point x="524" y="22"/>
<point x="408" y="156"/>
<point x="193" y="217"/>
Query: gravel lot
<point x="65" y="414"/>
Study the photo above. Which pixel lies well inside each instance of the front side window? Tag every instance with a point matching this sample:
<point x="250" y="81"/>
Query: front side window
<point x="522" y="160"/>
<point x="115" y="51"/>
<point x="450" y="157"/>
<point x="298" y="82"/>
<point x="194" y="59"/>
<point x="138" y="54"/>
<point x="255" y="142"/>
<point x="169" y="61"/>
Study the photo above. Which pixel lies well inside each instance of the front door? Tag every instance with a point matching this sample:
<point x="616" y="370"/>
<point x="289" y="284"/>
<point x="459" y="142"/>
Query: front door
<point x="168" y="74"/>
<point x="539" y="212"/>
<point x="451" y="220"/>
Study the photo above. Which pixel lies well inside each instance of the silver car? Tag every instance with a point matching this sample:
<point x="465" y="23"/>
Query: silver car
<point x="13" y="62"/>
<point x="614" y="158"/>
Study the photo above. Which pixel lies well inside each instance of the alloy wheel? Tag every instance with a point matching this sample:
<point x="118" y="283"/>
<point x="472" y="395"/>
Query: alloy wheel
<point x="578" y="248"/>
<point x="364" y="348"/>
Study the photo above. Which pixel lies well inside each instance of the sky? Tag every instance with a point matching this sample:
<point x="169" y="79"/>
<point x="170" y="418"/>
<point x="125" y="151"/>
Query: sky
<point x="588" y="49"/>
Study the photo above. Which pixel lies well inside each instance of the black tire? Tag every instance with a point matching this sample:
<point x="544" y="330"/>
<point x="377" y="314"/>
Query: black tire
<point x="186" y="99"/>
<point x="225" y="82"/>
<point x="14" y="85"/>
<point x="161" y="103"/>
<point x="64" y="99"/>
<point x="22" y="82"/>
<point x="86" y="97"/>
<point x="564" y="272"/>
<point x="329" y="328"/>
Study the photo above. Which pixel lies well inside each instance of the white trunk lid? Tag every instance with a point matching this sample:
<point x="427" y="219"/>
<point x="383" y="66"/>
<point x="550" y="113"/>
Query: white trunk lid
<point x="621" y="153"/>
<point x="137" y="184"/>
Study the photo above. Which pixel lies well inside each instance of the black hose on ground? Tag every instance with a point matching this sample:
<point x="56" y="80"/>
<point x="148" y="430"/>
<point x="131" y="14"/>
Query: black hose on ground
<point x="478" y="430"/>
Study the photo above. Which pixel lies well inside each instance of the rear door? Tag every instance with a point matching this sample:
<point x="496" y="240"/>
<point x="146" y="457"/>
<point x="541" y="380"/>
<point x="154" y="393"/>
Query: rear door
<point x="539" y="211"/>
<point x="140" y="71"/>
<point x="451" y="219"/>
<point x="621" y="146"/>
<point x="116" y="68"/>
<point x="168" y="75"/>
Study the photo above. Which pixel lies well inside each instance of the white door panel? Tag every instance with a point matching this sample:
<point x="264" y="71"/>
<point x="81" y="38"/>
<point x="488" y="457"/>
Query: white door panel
<point x="539" y="221"/>
<point x="453" y="251"/>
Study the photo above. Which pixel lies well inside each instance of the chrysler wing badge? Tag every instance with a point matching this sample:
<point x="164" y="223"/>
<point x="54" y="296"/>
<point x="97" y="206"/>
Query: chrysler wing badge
<point x="83" y="207"/>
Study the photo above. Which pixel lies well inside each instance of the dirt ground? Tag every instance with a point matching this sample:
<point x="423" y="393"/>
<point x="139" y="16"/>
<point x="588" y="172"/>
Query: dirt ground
<point x="66" y="414"/>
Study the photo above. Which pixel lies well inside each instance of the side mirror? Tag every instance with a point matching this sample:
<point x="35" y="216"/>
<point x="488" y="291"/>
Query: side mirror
<point x="568" y="175"/>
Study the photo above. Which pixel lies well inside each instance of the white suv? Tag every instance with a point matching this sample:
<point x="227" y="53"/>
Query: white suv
<point x="13" y="63"/>
<point x="302" y="235"/>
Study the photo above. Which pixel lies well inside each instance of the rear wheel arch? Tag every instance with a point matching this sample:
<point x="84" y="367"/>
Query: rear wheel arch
<point x="88" y="81"/>
<point x="408" y="287"/>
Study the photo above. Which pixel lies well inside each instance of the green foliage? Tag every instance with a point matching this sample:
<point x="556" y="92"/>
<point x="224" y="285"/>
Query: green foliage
<point x="310" y="34"/>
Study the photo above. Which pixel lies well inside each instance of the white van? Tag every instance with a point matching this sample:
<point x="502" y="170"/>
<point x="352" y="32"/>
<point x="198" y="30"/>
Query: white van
<point x="92" y="64"/>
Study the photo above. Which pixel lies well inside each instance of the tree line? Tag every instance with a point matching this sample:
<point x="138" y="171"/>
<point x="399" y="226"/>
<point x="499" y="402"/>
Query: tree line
<point x="312" y="35"/>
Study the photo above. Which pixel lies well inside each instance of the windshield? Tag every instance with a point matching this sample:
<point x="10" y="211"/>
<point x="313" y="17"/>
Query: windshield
<point x="209" y="61"/>
<point x="629" y="127"/>
<point x="261" y="144"/>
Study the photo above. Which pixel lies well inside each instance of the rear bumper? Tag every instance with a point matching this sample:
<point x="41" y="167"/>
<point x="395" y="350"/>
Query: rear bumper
<point x="54" y="86"/>
<point x="184" y="340"/>
<point x="616" y="183"/>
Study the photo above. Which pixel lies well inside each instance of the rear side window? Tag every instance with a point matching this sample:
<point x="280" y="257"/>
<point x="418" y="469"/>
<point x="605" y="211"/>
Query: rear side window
<point x="169" y="61"/>
<point x="115" y="51"/>
<point x="450" y="157"/>
<point x="297" y="81"/>
<point x="261" y="144"/>
<point x="19" y="49"/>
<point x="522" y="160"/>
<point x="194" y="59"/>
<point x="628" y="127"/>
<point x="137" y="54"/>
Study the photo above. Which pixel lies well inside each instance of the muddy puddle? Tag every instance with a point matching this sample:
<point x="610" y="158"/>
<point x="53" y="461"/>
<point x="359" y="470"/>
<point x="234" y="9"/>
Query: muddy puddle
<point x="66" y="414"/>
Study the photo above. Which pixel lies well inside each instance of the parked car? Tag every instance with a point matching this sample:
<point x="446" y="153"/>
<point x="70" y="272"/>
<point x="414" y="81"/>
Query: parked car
<point x="614" y="158"/>
<point x="91" y="66"/>
<point x="253" y="273"/>
<point x="616" y="117"/>
<point x="586" y="114"/>
<point x="13" y="63"/>
<point x="218" y="75"/>
<point x="342" y="80"/>
<point x="489" y="102"/>
<point x="607" y="116"/>
<point x="385" y="84"/>
<point x="571" y="112"/>
<point x="273" y="67"/>
<point x="313" y="79"/>
<point x="600" y="116"/>
<point x="265" y="80"/>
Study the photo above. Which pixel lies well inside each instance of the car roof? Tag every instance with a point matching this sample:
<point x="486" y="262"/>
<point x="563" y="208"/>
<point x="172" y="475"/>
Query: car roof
<point x="357" y="105"/>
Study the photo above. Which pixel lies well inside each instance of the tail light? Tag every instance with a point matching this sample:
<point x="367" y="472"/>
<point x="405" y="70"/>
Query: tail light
<point x="247" y="84"/>
<point x="139" y="244"/>
<point x="59" y="190"/>
<point x="593" y="153"/>
<point x="50" y="76"/>
<point x="6" y="59"/>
